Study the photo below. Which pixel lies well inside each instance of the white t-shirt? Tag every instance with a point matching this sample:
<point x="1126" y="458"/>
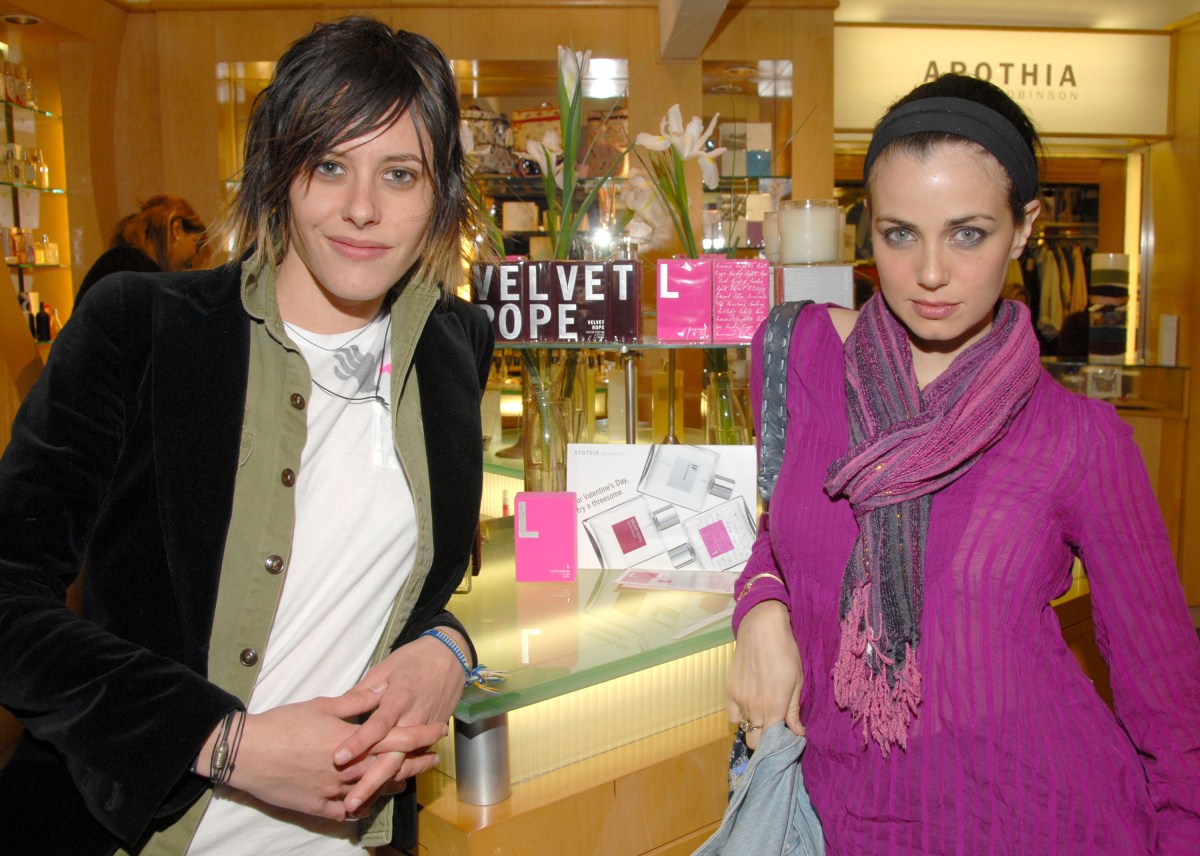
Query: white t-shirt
<point x="352" y="548"/>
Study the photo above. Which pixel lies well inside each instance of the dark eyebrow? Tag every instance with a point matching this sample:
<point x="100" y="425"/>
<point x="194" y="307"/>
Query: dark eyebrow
<point x="960" y="221"/>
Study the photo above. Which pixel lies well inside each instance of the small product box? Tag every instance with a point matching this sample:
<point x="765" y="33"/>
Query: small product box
<point x="623" y="304"/>
<point x="684" y="300"/>
<point x="741" y="298"/>
<point x="544" y="534"/>
<point x="499" y="288"/>
<point x="819" y="283"/>
<point x="537" y="302"/>
<point x="578" y="297"/>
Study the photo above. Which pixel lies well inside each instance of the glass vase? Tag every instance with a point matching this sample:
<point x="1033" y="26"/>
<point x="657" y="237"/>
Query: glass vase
<point x="575" y="385"/>
<point x="726" y="420"/>
<point x="544" y="422"/>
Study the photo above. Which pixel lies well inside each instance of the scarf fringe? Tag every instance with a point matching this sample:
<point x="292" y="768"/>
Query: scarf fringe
<point x="885" y="711"/>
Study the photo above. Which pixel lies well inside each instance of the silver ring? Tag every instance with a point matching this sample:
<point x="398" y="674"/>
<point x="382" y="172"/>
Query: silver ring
<point x="747" y="726"/>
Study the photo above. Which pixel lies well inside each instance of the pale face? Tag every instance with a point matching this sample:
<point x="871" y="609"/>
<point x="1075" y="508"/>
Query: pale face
<point x="358" y="225"/>
<point x="943" y="234"/>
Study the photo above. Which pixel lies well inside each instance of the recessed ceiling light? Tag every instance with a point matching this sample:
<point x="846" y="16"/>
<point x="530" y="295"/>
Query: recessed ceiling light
<point x="22" y="20"/>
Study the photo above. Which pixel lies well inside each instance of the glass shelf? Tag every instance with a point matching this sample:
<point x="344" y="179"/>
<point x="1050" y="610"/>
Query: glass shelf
<point x="647" y="343"/>
<point x="523" y="186"/>
<point x="22" y="186"/>
<point x="29" y="267"/>
<point x="45" y="114"/>
<point x="1056" y="363"/>
<point x="1152" y="390"/>
<point x="555" y="638"/>
<point x="493" y="463"/>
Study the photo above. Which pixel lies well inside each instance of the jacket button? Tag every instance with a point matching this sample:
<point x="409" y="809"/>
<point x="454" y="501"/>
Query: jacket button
<point x="288" y="478"/>
<point x="248" y="656"/>
<point x="297" y="401"/>
<point x="273" y="564"/>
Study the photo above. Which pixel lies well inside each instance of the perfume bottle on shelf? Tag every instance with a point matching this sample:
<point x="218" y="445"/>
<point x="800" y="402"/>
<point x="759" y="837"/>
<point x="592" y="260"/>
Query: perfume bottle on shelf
<point x="631" y="532"/>
<point x="684" y="475"/>
<point x="717" y="539"/>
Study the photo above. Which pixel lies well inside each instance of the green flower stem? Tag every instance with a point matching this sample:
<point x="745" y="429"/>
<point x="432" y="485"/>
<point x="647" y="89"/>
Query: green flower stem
<point x="722" y="406"/>
<point x="688" y="236"/>
<point x="537" y="375"/>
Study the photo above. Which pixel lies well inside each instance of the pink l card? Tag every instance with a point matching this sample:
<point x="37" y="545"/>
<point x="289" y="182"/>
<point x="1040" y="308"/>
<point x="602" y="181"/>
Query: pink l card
<point x="544" y="534"/>
<point x="684" y="302"/>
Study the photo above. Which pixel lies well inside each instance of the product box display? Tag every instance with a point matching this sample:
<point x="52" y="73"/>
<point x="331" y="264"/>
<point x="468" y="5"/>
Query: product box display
<point x="713" y="300"/>
<point x="578" y="291"/>
<point x="664" y="507"/>
<point x="819" y="283"/>
<point x="544" y="536"/>
<point x="741" y="298"/>
<point x="684" y="300"/>
<point x="560" y="301"/>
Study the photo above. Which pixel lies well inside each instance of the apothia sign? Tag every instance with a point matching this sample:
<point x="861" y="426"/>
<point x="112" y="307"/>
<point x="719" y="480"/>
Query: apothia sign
<point x="1008" y="73"/>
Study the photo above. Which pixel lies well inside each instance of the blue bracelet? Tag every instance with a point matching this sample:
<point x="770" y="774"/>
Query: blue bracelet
<point x="480" y="676"/>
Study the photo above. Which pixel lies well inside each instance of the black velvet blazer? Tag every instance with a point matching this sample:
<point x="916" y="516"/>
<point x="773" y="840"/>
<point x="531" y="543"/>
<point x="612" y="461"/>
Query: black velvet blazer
<point x="123" y="459"/>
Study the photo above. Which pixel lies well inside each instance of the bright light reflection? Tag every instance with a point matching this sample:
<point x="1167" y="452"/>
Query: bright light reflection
<point x="606" y="78"/>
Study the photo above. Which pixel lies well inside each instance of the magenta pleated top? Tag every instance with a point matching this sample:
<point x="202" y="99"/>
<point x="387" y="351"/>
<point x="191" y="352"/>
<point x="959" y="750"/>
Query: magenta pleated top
<point x="1012" y="751"/>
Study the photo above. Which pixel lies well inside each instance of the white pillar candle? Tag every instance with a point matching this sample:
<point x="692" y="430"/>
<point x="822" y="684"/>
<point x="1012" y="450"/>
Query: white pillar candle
<point x="771" y="236"/>
<point x="808" y="231"/>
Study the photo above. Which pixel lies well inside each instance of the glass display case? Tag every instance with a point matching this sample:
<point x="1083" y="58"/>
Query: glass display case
<point x="1144" y="389"/>
<point x="592" y="666"/>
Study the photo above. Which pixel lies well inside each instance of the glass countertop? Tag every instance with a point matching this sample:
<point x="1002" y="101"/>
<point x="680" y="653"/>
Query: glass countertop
<point x="555" y="638"/>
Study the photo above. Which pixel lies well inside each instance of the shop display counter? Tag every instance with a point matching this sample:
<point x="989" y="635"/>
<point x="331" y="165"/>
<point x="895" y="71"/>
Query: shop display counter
<point x="592" y="666"/>
<point x="613" y="695"/>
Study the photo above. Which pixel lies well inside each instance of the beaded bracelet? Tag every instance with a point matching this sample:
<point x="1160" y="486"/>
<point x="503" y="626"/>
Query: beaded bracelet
<point x="480" y="676"/>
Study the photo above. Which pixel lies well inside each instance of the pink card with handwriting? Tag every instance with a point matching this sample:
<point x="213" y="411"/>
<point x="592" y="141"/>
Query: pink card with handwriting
<point x="741" y="298"/>
<point x="544" y="535"/>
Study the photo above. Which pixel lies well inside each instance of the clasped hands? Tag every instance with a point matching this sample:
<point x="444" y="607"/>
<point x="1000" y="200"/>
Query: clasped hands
<point x="314" y="756"/>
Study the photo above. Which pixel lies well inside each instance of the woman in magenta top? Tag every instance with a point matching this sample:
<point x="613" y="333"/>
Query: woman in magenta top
<point x="934" y="489"/>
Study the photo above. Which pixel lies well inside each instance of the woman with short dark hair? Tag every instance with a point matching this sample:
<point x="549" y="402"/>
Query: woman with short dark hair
<point x="272" y="473"/>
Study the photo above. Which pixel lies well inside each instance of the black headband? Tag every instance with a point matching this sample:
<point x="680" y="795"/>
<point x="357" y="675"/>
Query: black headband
<point x="962" y="118"/>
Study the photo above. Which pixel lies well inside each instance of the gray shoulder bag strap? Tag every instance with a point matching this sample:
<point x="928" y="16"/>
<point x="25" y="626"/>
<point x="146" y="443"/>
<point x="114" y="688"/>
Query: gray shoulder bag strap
<point x="772" y="432"/>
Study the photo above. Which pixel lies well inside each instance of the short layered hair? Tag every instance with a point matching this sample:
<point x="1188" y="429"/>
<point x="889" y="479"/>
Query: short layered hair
<point x="342" y="81"/>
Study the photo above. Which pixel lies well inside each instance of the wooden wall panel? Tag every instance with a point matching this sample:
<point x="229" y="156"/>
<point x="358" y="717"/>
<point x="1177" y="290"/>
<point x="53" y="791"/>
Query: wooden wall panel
<point x="805" y="36"/>
<point x="1111" y="235"/>
<point x="536" y="32"/>
<point x="186" y="44"/>
<point x="1173" y="213"/>
<point x="812" y="73"/>
<point x="137" y="150"/>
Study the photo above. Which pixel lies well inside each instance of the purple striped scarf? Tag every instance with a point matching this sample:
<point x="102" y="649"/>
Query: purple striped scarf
<point x="905" y="445"/>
